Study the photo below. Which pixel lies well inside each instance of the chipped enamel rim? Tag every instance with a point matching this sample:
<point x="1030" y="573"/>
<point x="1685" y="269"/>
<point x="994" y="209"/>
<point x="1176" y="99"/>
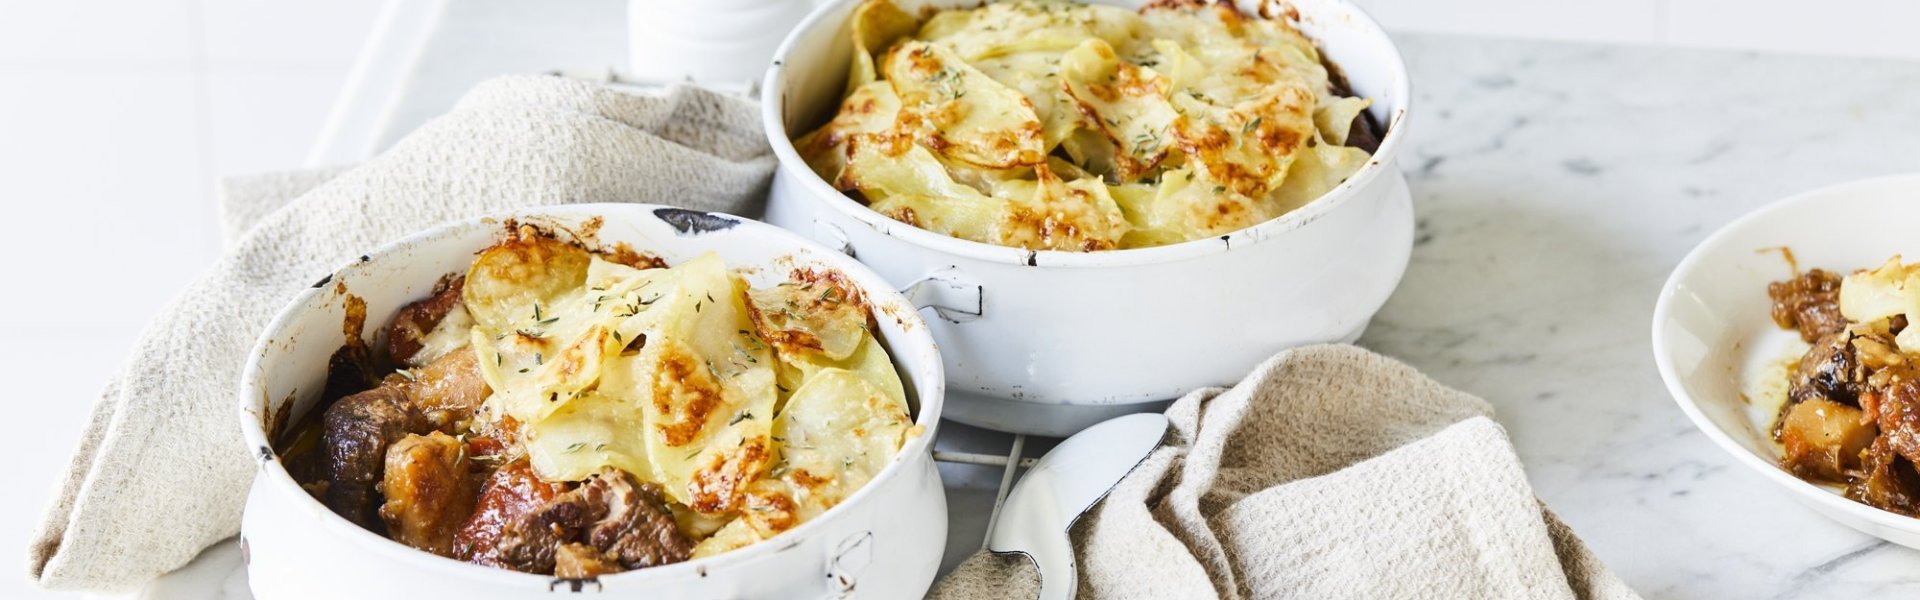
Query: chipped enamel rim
<point x="773" y="108"/>
<point x="929" y="385"/>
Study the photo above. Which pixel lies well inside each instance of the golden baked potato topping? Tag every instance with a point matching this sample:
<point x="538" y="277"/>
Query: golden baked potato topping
<point x="1053" y="125"/>
<point x="560" y="410"/>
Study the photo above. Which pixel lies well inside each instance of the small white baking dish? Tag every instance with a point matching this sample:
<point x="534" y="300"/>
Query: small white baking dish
<point x="886" y="540"/>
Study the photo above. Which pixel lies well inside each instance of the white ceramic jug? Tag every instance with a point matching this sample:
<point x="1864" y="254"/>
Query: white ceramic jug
<point x="720" y="43"/>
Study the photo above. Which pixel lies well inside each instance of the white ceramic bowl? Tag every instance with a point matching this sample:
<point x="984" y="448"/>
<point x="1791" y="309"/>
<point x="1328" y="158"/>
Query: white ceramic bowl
<point x="885" y="540"/>
<point x="1051" y="342"/>
<point x="1712" y="335"/>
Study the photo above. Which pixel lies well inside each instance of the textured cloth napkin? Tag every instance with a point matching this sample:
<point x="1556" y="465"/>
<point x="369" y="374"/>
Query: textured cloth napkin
<point x="161" y="471"/>
<point x="1329" y="472"/>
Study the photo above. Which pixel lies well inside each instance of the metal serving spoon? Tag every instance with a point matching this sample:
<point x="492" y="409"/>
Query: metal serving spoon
<point x="1063" y="485"/>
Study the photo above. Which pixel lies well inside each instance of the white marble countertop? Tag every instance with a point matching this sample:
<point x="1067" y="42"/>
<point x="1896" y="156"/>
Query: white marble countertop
<point x="1556" y="185"/>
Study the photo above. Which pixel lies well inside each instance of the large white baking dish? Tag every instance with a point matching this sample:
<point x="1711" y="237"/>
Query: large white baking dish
<point x="1051" y="342"/>
<point x="886" y="540"/>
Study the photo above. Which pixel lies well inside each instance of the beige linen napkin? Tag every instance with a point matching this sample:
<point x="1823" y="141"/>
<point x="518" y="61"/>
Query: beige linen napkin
<point x="161" y="471"/>
<point x="1329" y="472"/>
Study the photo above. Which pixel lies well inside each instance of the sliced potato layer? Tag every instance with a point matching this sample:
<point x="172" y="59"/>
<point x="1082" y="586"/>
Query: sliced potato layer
<point x="988" y="103"/>
<point x="688" y="378"/>
<point x="961" y="112"/>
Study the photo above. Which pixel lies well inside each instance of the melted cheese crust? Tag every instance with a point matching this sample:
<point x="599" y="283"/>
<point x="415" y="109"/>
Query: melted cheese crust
<point x="732" y="399"/>
<point x="1051" y="125"/>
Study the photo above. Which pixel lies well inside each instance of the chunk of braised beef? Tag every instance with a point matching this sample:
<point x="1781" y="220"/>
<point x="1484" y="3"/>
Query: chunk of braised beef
<point x="639" y="530"/>
<point x="1887" y="480"/>
<point x="410" y="326"/>
<point x="357" y="430"/>
<point x="1897" y="412"/>
<point x="351" y="370"/>
<point x="446" y="391"/>
<point x="511" y="493"/>
<point x="1830" y="370"/>
<point x="608" y="523"/>
<point x="529" y="543"/>
<point x="356" y="433"/>
<point x="580" y="561"/>
<point x="429" y="491"/>
<point x="1810" y="303"/>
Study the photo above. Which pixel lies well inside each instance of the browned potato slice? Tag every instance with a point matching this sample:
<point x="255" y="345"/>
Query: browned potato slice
<point x="1126" y="103"/>
<point x="875" y="26"/>
<point x="1247" y="148"/>
<point x="961" y="112"/>
<point x="819" y="312"/>
<point x="869" y="111"/>
<point x="512" y="285"/>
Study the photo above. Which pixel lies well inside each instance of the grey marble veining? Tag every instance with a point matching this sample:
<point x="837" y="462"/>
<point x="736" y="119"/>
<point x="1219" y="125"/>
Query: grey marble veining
<point x="1556" y="185"/>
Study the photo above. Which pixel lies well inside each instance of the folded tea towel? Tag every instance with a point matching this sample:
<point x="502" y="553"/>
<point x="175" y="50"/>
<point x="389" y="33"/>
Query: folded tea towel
<point x="1330" y="472"/>
<point x="161" y="471"/>
<point x="246" y="199"/>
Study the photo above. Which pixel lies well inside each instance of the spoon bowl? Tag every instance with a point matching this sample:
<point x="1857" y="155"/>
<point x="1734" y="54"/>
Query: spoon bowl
<point x="1063" y="485"/>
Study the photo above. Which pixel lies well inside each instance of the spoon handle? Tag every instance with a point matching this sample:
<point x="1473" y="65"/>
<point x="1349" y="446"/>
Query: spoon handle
<point x="1059" y="576"/>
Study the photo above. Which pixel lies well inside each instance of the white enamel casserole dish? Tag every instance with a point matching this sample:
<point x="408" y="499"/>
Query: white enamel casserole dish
<point x="1051" y="342"/>
<point x="885" y="540"/>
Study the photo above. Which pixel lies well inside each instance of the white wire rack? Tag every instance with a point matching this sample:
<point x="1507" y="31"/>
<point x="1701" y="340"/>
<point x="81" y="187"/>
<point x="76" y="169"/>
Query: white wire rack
<point x="1009" y="464"/>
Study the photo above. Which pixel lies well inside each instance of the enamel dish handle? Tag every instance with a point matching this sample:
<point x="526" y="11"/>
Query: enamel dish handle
<point x="949" y="292"/>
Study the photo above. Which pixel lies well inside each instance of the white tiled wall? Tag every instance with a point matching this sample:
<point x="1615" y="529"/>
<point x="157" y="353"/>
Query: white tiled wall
<point x="116" y="117"/>
<point x="1636" y="21"/>
<point x="1871" y="28"/>
<point x="1850" y="27"/>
